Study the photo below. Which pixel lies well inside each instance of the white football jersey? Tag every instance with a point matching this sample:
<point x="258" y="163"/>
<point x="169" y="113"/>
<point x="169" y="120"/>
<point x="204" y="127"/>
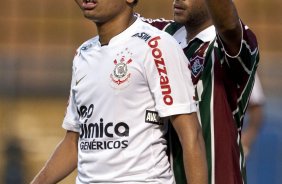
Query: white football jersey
<point x="118" y="94"/>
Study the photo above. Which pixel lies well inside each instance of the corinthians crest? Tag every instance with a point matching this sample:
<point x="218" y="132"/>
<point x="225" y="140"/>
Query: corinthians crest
<point x="120" y="76"/>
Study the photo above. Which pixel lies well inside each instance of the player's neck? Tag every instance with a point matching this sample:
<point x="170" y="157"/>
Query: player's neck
<point x="194" y="30"/>
<point x="116" y="25"/>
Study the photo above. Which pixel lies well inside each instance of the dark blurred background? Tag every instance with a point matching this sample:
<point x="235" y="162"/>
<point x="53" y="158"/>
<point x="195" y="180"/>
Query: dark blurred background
<point x="38" y="40"/>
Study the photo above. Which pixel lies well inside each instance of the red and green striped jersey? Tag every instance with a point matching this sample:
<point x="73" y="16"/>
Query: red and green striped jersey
<point x="223" y="85"/>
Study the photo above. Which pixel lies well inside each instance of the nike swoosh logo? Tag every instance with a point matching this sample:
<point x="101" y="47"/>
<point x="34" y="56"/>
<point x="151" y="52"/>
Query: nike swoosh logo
<point x="80" y="80"/>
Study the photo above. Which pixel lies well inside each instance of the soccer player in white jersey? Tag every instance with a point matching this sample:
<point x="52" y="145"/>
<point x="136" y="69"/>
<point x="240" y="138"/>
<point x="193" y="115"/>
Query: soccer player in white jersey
<point x="125" y="82"/>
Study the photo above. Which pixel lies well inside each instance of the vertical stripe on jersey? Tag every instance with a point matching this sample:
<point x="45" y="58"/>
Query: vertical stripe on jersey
<point x="227" y="157"/>
<point x="205" y="102"/>
<point x="212" y="127"/>
<point x="208" y="96"/>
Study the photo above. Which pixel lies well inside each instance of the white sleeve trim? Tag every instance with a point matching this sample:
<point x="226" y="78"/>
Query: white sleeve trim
<point x="178" y="109"/>
<point x="70" y="126"/>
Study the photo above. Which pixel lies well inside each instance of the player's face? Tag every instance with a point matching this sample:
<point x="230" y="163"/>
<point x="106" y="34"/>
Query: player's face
<point x="101" y="11"/>
<point x="190" y="12"/>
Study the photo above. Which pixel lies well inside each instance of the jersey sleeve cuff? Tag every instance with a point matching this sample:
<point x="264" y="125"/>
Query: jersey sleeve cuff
<point x="179" y="109"/>
<point x="70" y="126"/>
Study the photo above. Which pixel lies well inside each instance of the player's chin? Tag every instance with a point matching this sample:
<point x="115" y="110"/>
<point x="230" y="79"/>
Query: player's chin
<point x="95" y="18"/>
<point x="179" y="19"/>
<point x="89" y="14"/>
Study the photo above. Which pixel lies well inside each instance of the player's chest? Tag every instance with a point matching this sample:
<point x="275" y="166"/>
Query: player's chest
<point x="102" y="71"/>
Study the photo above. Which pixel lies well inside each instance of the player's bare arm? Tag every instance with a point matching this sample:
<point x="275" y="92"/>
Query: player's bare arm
<point x="62" y="162"/>
<point x="194" y="154"/>
<point x="226" y="20"/>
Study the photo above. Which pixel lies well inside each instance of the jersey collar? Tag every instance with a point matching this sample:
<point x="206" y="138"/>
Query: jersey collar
<point x="207" y="34"/>
<point x="123" y="35"/>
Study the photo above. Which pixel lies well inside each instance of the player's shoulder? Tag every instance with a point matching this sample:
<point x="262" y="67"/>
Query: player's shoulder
<point x="143" y="26"/>
<point x="249" y="37"/>
<point x="173" y="27"/>
<point x="88" y="44"/>
<point x="153" y="32"/>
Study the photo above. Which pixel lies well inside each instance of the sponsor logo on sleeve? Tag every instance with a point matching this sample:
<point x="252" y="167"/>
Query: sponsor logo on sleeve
<point x="152" y="117"/>
<point x="161" y="67"/>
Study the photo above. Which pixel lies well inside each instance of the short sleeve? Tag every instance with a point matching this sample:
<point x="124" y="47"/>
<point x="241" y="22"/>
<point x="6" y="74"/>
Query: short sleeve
<point x="169" y="78"/>
<point x="70" y="121"/>
<point x="244" y="64"/>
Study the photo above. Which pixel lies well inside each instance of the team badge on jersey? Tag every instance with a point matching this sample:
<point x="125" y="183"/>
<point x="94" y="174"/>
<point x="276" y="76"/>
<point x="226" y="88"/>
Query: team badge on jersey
<point x="197" y="64"/>
<point x="120" y="77"/>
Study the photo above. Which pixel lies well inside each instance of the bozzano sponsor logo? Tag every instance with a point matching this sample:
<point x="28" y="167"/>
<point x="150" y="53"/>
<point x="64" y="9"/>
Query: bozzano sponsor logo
<point x="161" y="67"/>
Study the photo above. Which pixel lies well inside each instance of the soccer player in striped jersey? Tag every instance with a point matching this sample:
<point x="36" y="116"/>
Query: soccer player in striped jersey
<point x="223" y="54"/>
<point x="125" y="82"/>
